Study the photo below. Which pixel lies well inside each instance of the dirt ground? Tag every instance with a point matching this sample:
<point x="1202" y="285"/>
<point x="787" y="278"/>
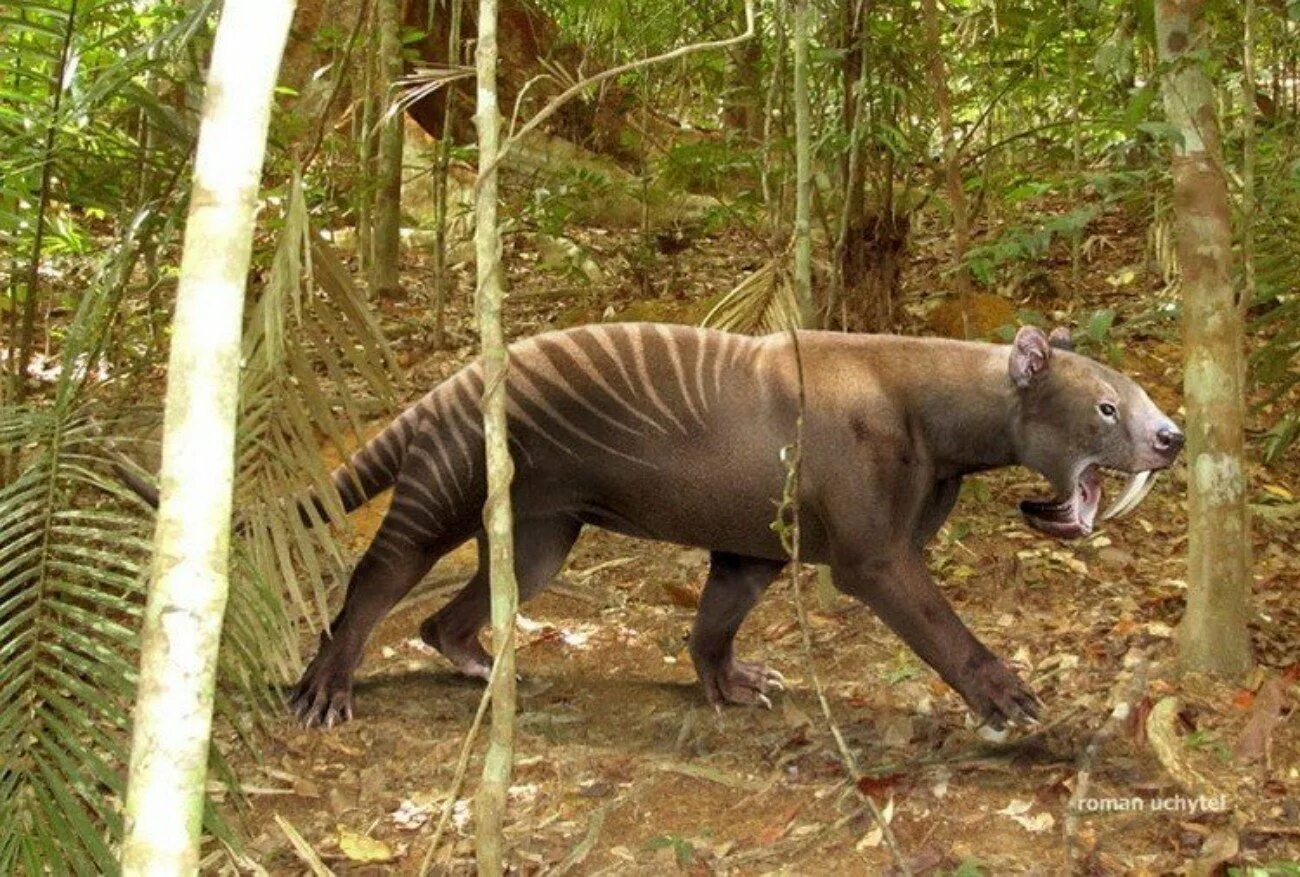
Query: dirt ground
<point x="623" y="768"/>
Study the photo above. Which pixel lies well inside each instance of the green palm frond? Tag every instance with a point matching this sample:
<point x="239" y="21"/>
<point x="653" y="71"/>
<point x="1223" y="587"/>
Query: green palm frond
<point x="73" y="549"/>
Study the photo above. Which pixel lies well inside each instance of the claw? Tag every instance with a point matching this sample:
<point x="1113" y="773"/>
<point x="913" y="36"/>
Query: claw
<point x="763" y="699"/>
<point x="992" y="734"/>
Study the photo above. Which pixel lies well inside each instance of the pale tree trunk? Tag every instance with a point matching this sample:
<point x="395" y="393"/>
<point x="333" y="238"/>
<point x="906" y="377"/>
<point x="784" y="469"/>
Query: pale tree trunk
<point x="187" y="597"/>
<point x="1213" y="635"/>
<point x="803" y="170"/>
<point x="386" y="245"/>
<point x="499" y="761"/>
<point x="951" y="162"/>
<point x="808" y="317"/>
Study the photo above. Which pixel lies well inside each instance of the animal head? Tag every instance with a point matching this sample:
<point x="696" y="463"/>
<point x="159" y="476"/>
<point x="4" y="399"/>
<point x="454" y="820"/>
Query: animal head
<point x="1077" y="418"/>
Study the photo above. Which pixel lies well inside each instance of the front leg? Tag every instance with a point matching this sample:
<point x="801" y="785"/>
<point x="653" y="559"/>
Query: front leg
<point x="903" y="594"/>
<point x="936" y="509"/>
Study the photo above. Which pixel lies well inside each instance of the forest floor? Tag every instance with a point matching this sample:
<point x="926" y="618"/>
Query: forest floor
<point x="623" y="768"/>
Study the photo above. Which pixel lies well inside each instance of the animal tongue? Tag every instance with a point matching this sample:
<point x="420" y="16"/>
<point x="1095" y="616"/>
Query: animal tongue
<point x="1067" y="517"/>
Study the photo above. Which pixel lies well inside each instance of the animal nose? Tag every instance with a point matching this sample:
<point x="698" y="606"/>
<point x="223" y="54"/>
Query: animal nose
<point x="1169" y="439"/>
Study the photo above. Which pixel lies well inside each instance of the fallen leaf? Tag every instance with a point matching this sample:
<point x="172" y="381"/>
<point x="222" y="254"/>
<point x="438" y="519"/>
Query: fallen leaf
<point x="681" y="595"/>
<point x="1256" y="737"/>
<point x="896" y="731"/>
<point x="876" y="835"/>
<point x="777" y="828"/>
<point x="872" y="838"/>
<point x="878" y="785"/>
<point x="794" y="716"/>
<point x="1018" y="811"/>
<point x="940" y="787"/>
<point x="360" y="848"/>
<point x="410" y="815"/>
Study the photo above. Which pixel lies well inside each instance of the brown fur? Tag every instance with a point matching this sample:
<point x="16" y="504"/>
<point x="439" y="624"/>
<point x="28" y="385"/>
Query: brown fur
<point x="675" y="434"/>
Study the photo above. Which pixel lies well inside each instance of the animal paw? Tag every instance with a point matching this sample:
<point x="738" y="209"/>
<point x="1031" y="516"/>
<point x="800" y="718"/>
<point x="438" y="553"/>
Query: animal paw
<point x="323" y="697"/>
<point x="741" y="682"/>
<point x="468" y="655"/>
<point x="998" y="696"/>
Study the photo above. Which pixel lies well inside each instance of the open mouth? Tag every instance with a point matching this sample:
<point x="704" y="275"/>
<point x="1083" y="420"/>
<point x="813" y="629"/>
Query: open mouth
<point x="1072" y="516"/>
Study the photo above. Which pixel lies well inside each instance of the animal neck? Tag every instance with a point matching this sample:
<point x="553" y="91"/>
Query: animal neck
<point x="969" y="411"/>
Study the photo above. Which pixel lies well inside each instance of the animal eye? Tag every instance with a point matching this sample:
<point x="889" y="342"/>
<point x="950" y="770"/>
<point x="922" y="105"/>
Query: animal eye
<point x="1108" y="410"/>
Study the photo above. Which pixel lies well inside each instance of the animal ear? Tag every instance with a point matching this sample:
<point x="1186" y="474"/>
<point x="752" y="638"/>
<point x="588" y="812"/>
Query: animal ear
<point x="1060" y="339"/>
<point x="1030" y="354"/>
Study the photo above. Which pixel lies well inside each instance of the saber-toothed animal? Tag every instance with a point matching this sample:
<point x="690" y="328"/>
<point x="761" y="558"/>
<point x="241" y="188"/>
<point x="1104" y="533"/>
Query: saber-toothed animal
<point x="675" y="433"/>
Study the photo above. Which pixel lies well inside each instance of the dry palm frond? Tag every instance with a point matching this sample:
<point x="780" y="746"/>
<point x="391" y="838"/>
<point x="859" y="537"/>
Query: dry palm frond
<point x="763" y="303"/>
<point x="1164" y="253"/>
<point x="301" y="349"/>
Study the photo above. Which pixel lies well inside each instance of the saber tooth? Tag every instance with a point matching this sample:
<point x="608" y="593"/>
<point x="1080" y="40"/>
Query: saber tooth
<point x="1124" y="503"/>
<point x="1136" y="491"/>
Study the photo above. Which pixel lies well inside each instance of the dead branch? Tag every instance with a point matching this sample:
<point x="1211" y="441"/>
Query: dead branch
<point x="1122" y="710"/>
<point x="462" y="767"/>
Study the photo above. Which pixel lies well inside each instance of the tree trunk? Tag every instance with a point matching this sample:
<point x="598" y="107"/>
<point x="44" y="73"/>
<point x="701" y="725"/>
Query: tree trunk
<point x="441" y="282"/>
<point x="1249" y="109"/>
<point x="363" y="130"/>
<point x="803" y="170"/>
<point x="873" y="236"/>
<point x="386" y="245"/>
<point x="1213" y="635"/>
<point x="744" y="110"/>
<point x="497" y="515"/>
<point x="187" y="598"/>
<point x="872" y="265"/>
<point x="951" y="165"/>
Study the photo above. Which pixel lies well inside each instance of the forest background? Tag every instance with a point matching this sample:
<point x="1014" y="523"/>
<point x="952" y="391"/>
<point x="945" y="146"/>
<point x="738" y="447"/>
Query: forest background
<point x="969" y="167"/>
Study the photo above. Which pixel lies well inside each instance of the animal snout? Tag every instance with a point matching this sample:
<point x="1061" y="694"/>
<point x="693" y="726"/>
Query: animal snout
<point x="1169" y="440"/>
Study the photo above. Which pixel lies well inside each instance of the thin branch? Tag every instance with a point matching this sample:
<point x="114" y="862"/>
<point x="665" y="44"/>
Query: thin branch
<point x="582" y="85"/>
<point x="1247" y="297"/>
<point x="343" y="68"/>
<point x="462" y="768"/>
<point x="792" y="457"/>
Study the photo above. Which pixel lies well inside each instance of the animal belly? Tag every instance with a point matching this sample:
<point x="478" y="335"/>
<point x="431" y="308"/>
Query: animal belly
<point x="702" y="500"/>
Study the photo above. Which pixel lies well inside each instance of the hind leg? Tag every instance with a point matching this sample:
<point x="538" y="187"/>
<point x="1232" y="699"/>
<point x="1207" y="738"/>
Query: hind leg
<point x="541" y="547"/>
<point x="734" y="585"/>
<point x="396" y="560"/>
